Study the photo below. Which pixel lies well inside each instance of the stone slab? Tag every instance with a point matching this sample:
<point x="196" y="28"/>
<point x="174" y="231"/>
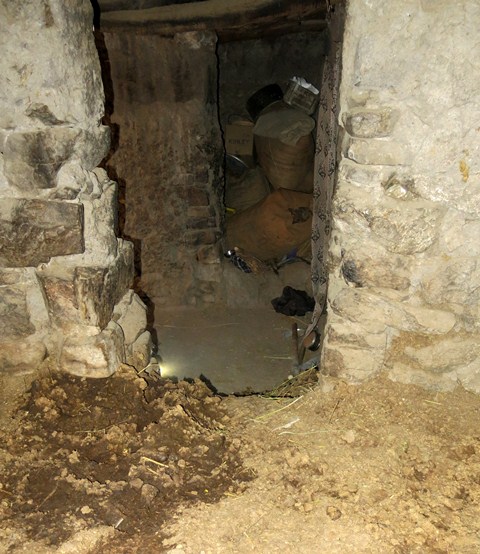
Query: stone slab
<point x="34" y="231"/>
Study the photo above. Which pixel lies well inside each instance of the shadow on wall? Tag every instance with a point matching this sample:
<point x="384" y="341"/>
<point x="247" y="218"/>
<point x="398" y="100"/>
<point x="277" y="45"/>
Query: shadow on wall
<point x="96" y="14"/>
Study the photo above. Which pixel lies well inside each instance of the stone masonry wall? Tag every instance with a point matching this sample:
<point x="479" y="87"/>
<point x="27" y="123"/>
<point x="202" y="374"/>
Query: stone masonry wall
<point x="64" y="276"/>
<point x="403" y="287"/>
<point x="169" y="160"/>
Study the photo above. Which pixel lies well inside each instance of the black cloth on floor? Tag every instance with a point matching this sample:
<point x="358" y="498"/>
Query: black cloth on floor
<point x="293" y="302"/>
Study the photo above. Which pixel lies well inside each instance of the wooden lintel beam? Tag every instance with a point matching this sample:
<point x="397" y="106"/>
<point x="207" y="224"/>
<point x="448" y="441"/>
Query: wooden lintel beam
<point x="231" y="20"/>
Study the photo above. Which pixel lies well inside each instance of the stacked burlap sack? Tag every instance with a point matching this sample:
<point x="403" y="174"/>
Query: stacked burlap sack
<point x="273" y="202"/>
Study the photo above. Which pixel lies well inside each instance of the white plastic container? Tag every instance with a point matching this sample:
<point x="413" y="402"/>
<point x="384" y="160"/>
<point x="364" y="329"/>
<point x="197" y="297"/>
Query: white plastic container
<point x="302" y="95"/>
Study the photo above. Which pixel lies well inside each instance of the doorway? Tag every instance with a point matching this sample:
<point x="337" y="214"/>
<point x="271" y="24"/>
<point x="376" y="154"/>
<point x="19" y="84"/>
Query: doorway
<point x="172" y="99"/>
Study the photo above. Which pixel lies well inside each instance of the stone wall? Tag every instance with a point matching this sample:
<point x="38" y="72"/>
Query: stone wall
<point x="64" y="276"/>
<point x="403" y="286"/>
<point x="169" y="161"/>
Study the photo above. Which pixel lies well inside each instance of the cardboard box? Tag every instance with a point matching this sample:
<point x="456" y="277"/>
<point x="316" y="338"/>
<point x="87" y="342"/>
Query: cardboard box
<point x="239" y="138"/>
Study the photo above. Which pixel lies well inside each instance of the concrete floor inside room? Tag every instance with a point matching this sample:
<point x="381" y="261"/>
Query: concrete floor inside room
<point x="240" y="346"/>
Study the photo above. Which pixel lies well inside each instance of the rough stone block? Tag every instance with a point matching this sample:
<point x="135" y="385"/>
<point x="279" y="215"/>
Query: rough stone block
<point x="24" y="354"/>
<point x="469" y="376"/>
<point x="197" y="238"/>
<point x="403" y="228"/>
<point x="94" y="356"/>
<point x="32" y="159"/>
<point x="450" y="282"/>
<point x="33" y="231"/>
<point x="201" y="222"/>
<point x="346" y="333"/>
<point x="377" y="152"/>
<point x="24" y="321"/>
<point x="403" y="373"/>
<point x="369" y="310"/>
<point x="200" y="212"/>
<point x="87" y="295"/>
<point x="120" y="276"/>
<point x="209" y="254"/>
<point x="74" y="181"/>
<point x="92" y="146"/>
<point x="138" y="353"/>
<point x="459" y="235"/>
<point x="431" y="321"/>
<point x="14" y="317"/>
<point x="400" y="187"/>
<point x="92" y="305"/>
<point x="434" y="353"/>
<point x="366" y="264"/>
<point x="61" y="300"/>
<point x="197" y="196"/>
<point x="100" y="211"/>
<point x="131" y="314"/>
<point x="370" y="123"/>
<point x="409" y="230"/>
<point x="351" y="363"/>
<point x="71" y="179"/>
<point x="374" y="312"/>
<point x="98" y="289"/>
<point x="365" y="177"/>
<point x="59" y="73"/>
<point x="446" y="355"/>
<point x="23" y="309"/>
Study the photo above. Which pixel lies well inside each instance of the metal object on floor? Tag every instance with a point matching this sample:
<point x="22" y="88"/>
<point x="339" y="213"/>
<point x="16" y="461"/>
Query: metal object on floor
<point x="310" y="342"/>
<point x="235" y="165"/>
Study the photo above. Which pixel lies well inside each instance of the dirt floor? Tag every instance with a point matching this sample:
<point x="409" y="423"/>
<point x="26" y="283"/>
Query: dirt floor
<point x="137" y="464"/>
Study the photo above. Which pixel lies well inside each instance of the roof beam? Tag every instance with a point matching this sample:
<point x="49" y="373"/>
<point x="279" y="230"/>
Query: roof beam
<point x="231" y="20"/>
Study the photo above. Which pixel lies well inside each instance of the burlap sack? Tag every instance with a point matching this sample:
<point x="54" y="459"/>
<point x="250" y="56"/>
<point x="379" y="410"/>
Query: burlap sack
<point x="285" y="166"/>
<point x="246" y="190"/>
<point x="285" y="148"/>
<point x="274" y="226"/>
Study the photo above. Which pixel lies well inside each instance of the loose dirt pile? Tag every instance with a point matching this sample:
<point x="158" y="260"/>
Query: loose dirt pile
<point x="132" y="465"/>
<point x="122" y="453"/>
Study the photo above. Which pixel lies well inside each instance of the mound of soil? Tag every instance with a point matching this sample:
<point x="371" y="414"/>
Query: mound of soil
<point x="122" y="452"/>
